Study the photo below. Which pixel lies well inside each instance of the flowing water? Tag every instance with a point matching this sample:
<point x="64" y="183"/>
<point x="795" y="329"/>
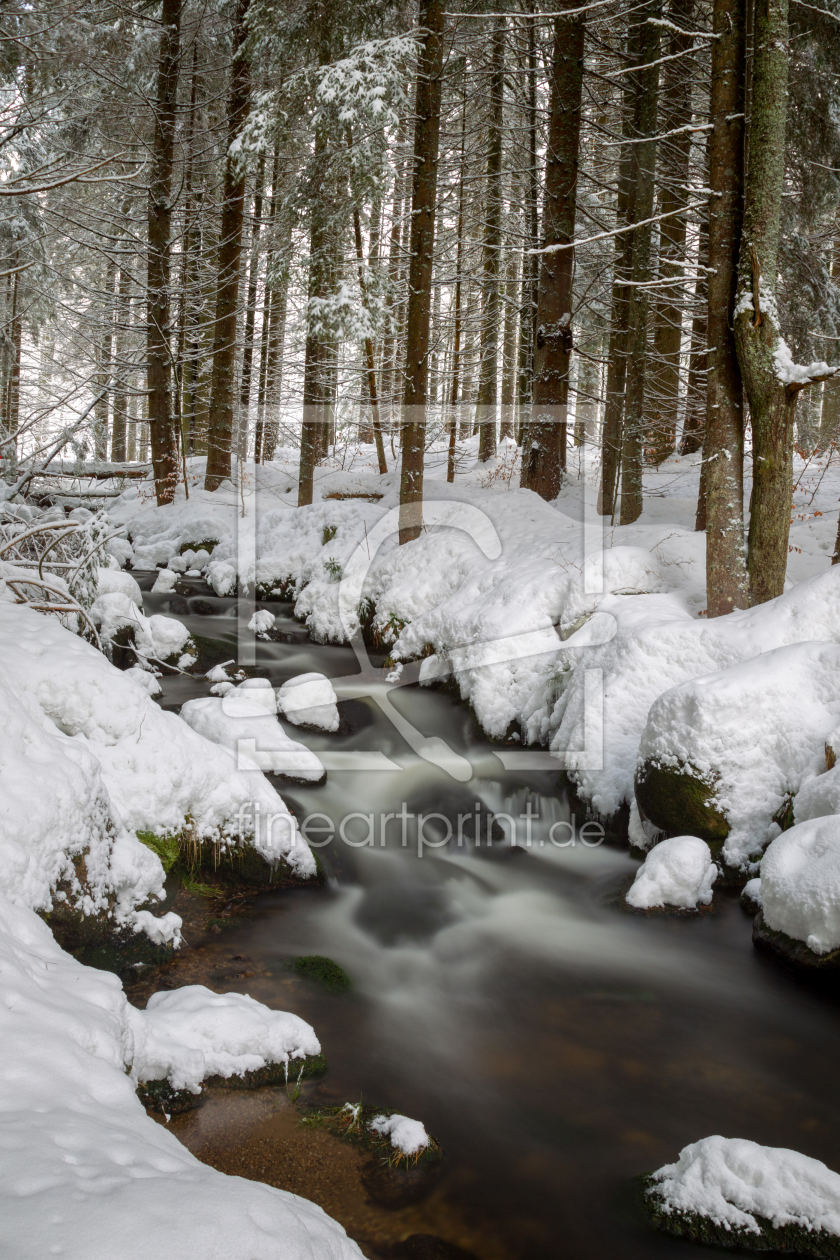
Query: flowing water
<point x="555" y="1045"/>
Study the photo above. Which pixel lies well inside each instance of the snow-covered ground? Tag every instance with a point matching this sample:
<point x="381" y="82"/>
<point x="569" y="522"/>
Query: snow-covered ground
<point x="560" y="628"/>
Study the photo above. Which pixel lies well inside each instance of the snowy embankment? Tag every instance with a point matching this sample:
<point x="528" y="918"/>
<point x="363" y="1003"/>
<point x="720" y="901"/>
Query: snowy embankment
<point x="526" y="604"/>
<point x="733" y="1192"/>
<point x="87" y="760"/>
<point x="84" y="1172"/>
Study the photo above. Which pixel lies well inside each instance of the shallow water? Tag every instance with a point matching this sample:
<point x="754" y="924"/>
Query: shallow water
<point x="555" y="1045"/>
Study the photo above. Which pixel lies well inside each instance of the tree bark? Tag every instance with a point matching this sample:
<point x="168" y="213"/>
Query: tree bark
<point x="250" y="313"/>
<point x="667" y="319"/>
<point x="118" y="424"/>
<point x="423" y="204"/>
<point x="165" y="463"/>
<point x="491" y="306"/>
<point x="547" y="446"/>
<point x="222" y="393"/>
<point x="723" y="455"/>
<point x="531" y="261"/>
<point x="772" y="402"/>
<point x="641" y="208"/>
<point x="611" y="437"/>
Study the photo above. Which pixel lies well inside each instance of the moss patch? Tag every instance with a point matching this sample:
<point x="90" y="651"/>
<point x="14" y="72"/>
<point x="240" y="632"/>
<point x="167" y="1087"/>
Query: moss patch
<point x="790" y="1239"/>
<point x="323" y="970"/>
<point x="679" y="801"/>
<point x="162" y="1097"/>
<point x="166" y="848"/>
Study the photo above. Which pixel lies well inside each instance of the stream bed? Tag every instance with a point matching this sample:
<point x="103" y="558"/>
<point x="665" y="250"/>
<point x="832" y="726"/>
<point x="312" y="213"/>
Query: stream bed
<point x="555" y="1045"/>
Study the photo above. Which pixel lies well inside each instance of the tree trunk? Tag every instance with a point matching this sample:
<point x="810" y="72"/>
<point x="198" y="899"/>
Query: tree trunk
<point x="546" y="457"/>
<point x="370" y="357"/>
<point x="667" y="320"/>
<point x="531" y="262"/>
<point x="611" y="438"/>
<point x="695" y="397"/>
<point x="118" y="424"/>
<point x="723" y="454"/>
<point x="641" y="208"/>
<point x="506" y="427"/>
<point x="423" y="204"/>
<point x="165" y="463"/>
<point x="104" y="355"/>
<point x="772" y="402"/>
<point x="220" y="420"/>
<point x="491" y="307"/>
<point x="250" y="314"/>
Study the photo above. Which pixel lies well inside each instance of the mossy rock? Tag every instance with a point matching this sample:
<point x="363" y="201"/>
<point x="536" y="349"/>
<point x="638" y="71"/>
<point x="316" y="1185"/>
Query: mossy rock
<point x="308" y="1068"/>
<point x="207" y="544"/>
<point x="160" y="1096"/>
<point x="791" y="950"/>
<point x="235" y="867"/>
<point x="323" y="970"/>
<point x="789" y="1239"/>
<point x="96" y="941"/>
<point x="210" y="652"/>
<point x="353" y="1125"/>
<point x="680" y="801"/>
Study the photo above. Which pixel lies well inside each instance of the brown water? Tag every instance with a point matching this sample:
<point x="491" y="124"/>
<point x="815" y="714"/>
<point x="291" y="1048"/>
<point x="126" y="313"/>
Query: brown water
<point x="555" y="1045"/>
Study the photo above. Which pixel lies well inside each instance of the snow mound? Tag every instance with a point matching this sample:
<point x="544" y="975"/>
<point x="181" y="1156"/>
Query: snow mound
<point x="677" y="872"/>
<point x="755" y="731"/>
<point x="115" y="581"/>
<point x="731" y="1181"/>
<point x="84" y="1172"/>
<point x="165" y="582"/>
<point x="189" y="1034"/>
<point x="262" y="621"/>
<point x="800" y="884"/>
<point x="409" y="1137"/>
<point x="87" y="758"/>
<point x="309" y="700"/>
<point x="156" y="637"/>
<point x="243" y="725"/>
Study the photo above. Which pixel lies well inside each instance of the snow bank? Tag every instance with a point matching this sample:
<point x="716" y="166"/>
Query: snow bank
<point x="309" y="700"/>
<point x="754" y="732"/>
<point x="409" y="1137"/>
<point x="800" y="884"/>
<point x="676" y="872"/>
<point x="242" y="724"/>
<point x="87" y="759"/>
<point x="187" y="1035"/>
<point x="84" y="1173"/>
<point x="730" y="1181"/>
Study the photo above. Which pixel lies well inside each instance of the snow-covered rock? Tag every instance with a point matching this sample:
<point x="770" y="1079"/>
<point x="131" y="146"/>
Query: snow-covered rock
<point x="189" y="1034"/>
<point x="262" y="621"/>
<point x="746" y="739"/>
<point x="676" y="872"/>
<point x="309" y="700"/>
<point x="254" y="735"/>
<point x="409" y="1137"/>
<point x="111" y="581"/>
<point x="734" y="1184"/>
<point x="87" y="758"/>
<point x="165" y="582"/>
<point x="800" y="884"/>
<point x="84" y="1172"/>
<point x="157" y="637"/>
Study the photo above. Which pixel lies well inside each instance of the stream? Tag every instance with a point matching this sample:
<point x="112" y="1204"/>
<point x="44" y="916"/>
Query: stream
<point x="555" y="1045"/>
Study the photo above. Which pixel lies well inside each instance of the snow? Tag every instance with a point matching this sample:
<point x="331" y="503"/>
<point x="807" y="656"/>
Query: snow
<point x="165" y="582"/>
<point x="262" y="621"/>
<point x="751" y="892"/>
<point x="800" y="884"/>
<point x="84" y="1172"/>
<point x="309" y="700"/>
<point x="242" y="723"/>
<point x="676" y="872"/>
<point x="119" y="603"/>
<point x="409" y="1137"/>
<point x="792" y="373"/>
<point x="756" y="730"/>
<point x="189" y="1034"/>
<point x="731" y="1181"/>
<point x="528" y="606"/>
<point x="108" y="762"/>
